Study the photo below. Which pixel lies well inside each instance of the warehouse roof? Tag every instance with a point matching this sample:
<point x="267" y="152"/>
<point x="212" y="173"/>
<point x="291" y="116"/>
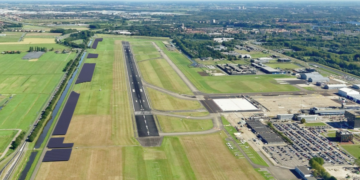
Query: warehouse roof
<point x="270" y="69"/>
<point x="348" y="91"/>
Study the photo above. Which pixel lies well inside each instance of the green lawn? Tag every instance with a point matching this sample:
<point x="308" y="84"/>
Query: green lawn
<point x="354" y="150"/>
<point x="315" y="124"/>
<point x="283" y="65"/>
<point x="174" y="124"/>
<point x="254" y="54"/>
<point x="5" y="137"/>
<point x="159" y="73"/>
<point x="79" y="41"/>
<point x="11" y="36"/>
<point x="250" y="152"/>
<point x="309" y="88"/>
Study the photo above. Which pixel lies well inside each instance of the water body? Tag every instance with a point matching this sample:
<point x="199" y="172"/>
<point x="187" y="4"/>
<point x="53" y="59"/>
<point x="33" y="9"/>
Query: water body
<point x="57" y="107"/>
<point x="28" y="165"/>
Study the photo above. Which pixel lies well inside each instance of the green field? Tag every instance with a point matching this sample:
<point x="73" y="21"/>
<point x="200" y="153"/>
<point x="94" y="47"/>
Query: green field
<point x="30" y="83"/>
<point x="159" y="73"/>
<point x="354" y="150"/>
<point x="309" y="88"/>
<point x="162" y="101"/>
<point x="250" y="152"/>
<point x="283" y="65"/>
<point x="79" y="41"/>
<point x="174" y="124"/>
<point x="5" y="137"/>
<point x="11" y="36"/>
<point x="195" y="114"/>
<point x="315" y="124"/>
<point x="25" y="47"/>
<point x="254" y="54"/>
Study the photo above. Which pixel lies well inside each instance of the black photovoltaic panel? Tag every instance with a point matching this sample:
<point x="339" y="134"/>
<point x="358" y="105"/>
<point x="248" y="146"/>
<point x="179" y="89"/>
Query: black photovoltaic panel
<point x="97" y="40"/>
<point x="86" y="73"/>
<point x="92" y="55"/>
<point x="59" y="143"/>
<point x="66" y="115"/>
<point x="57" y="155"/>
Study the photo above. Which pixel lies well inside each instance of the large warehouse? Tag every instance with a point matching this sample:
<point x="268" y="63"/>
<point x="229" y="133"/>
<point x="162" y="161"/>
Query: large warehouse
<point x="346" y="92"/>
<point x="265" y="133"/>
<point x="335" y="86"/>
<point x="237" y="104"/>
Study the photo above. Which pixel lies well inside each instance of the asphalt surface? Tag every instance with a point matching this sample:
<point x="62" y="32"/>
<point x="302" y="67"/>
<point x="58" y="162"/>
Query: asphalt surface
<point x="145" y="124"/>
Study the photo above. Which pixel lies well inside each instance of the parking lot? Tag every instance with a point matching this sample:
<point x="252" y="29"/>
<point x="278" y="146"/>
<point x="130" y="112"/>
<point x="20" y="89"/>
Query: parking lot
<point x="307" y="143"/>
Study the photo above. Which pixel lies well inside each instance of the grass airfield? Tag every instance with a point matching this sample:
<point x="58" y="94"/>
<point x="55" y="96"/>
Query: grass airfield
<point x="102" y="129"/>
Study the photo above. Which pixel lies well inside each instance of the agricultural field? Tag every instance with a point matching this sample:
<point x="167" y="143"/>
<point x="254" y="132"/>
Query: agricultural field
<point x="10" y="37"/>
<point x="283" y="65"/>
<point x="5" y="138"/>
<point x="162" y="101"/>
<point x="32" y="41"/>
<point x="25" y="47"/>
<point x="228" y="84"/>
<point x="174" y="124"/>
<point x="29" y="83"/>
<point x="42" y="35"/>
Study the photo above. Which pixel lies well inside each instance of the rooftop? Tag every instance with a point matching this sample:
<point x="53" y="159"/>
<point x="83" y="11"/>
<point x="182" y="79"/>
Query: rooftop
<point x="304" y="169"/>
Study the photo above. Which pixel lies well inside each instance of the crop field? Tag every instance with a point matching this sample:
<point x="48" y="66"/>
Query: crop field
<point x="162" y="101"/>
<point x="42" y="35"/>
<point x="5" y="138"/>
<point x="283" y="65"/>
<point x="159" y="73"/>
<point x="25" y="47"/>
<point x="229" y="84"/>
<point x="174" y="124"/>
<point x="33" y="41"/>
<point x="211" y="159"/>
<point x="11" y="37"/>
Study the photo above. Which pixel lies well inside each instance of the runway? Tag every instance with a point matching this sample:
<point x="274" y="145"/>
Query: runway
<point x="145" y="121"/>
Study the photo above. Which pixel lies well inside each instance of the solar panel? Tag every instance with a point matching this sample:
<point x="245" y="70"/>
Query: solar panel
<point x="97" y="40"/>
<point x="59" y="143"/>
<point x="86" y="73"/>
<point x="66" y="115"/>
<point x="92" y="55"/>
<point x="57" y="155"/>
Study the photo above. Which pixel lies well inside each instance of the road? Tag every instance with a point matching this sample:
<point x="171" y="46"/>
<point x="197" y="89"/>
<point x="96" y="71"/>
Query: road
<point x="145" y="121"/>
<point x="177" y="70"/>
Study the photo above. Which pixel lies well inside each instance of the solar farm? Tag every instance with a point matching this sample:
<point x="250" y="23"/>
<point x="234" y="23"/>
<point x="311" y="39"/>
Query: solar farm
<point x="86" y="73"/>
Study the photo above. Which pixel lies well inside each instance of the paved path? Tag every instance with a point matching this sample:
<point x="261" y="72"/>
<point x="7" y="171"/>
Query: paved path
<point x="180" y="96"/>
<point x="217" y="127"/>
<point x="177" y="70"/>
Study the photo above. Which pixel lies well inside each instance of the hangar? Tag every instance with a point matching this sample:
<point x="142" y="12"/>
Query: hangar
<point x="236" y="104"/>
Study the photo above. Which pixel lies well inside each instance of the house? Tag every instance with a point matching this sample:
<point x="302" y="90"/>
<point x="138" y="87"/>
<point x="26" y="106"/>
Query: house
<point x="220" y="40"/>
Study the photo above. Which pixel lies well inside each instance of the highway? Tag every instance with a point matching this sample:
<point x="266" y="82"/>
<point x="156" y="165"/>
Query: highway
<point x="145" y="121"/>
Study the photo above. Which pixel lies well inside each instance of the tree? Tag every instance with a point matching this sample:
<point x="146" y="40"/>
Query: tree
<point x="303" y="121"/>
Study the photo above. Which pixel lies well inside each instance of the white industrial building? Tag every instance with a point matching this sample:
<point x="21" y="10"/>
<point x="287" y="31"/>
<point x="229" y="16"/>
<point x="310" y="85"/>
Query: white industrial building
<point x="346" y="92"/>
<point x="238" y="104"/>
<point x="356" y="86"/>
<point x="285" y="116"/>
<point x="318" y="79"/>
<point x="303" y="171"/>
<point x="309" y="75"/>
<point x="307" y="117"/>
<point x="335" y="86"/>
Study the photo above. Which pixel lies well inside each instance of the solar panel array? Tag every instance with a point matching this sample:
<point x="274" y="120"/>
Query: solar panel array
<point x="86" y="73"/>
<point x="97" y="40"/>
<point x="59" y="143"/>
<point x="57" y="155"/>
<point x="92" y="55"/>
<point x="66" y="115"/>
